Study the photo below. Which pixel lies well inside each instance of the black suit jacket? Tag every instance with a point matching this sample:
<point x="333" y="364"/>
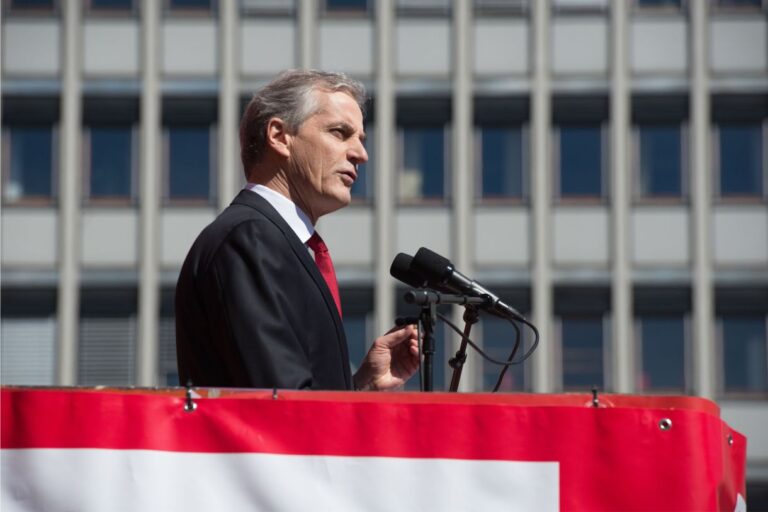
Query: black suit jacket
<point x="253" y="310"/>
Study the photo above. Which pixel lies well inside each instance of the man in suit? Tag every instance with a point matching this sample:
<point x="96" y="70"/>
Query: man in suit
<point x="253" y="307"/>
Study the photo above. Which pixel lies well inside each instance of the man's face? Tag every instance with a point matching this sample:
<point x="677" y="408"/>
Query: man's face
<point x="325" y="153"/>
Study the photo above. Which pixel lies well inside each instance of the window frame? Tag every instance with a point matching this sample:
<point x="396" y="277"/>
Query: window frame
<point x="25" y="201"/>
<point x="637" y="331"/>
<point x="638" y="196"/>
<point x="559" y="366"/>
<point x="447" y="196"/>
<point x="720" y="349"/>
<point x="525" y="169"/>
<point x="715" y="152"/>
<point x="603" y="197"/>
<point x="211" y="200"/>
<point x="132" y="198"/>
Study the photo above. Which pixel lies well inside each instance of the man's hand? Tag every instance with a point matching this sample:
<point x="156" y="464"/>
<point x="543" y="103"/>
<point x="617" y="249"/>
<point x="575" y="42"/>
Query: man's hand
<point x="390" y="362"/>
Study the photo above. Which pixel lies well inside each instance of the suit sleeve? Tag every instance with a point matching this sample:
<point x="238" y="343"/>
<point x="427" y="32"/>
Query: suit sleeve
<point x="253" y="290"/>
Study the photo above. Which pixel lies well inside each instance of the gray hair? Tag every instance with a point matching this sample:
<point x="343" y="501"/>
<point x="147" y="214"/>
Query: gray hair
<point x="290" y="97"/>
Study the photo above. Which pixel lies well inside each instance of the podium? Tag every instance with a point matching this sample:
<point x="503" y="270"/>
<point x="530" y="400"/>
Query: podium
<point x="222" y="449"/>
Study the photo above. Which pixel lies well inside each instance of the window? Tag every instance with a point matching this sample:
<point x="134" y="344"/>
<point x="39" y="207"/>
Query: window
<point x="46" y="5"/>
<point x="663" y="353"/>
<point x="580" y="160"/>
<point x="190" y="4"/>
<point x="189" y="149"/>
<point x="357" y="305"/>
<point x="660" y="160"/>
<point x="658" y="3"/>
<point x="30" y="162"/>
<point x="346" y="6"/>
<point x="111" y="158"/>
<point x="422" y="168"/>
<point x="28" y="333"/>
<point x="107" y="337"/>
<point x="739" y="3"/>
<point x="744" y="356"/>
<point x="168" y="372"/>
<point x="501" y="164"/>
<point x="362" y="189"/>
<point x="741" y="159"/>
<point x="582" y="352"/>
<point x="112" y="5"/>
<point x="498" y="341"/>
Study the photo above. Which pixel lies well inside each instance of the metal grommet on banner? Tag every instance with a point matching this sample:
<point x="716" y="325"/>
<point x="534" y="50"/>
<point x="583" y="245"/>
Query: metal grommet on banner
<point x="730" y="439"/>
<point x="665" y="424"/>
<point x="274" y="393"/>
<point x="189" y="404"/>
<point x="595" y="401"/>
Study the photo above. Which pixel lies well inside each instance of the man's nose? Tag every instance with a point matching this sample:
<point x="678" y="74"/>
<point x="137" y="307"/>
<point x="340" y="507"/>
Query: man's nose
<point x="357" y="153"/>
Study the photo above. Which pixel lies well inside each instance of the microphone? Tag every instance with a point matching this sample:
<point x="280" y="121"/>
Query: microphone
<point x="402" y="269"/>
<point x="440" y="273"/>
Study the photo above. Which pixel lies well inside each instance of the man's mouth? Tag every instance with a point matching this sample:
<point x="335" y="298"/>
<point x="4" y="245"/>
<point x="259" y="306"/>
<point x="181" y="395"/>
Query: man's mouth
<point x="348" y="177"/>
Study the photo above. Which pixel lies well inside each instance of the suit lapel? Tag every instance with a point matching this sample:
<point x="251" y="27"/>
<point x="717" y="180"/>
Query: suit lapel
<point x="255" y="201"/>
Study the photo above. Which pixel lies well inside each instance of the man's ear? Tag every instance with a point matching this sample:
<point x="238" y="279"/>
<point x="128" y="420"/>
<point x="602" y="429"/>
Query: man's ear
<point x="278" y="137"/>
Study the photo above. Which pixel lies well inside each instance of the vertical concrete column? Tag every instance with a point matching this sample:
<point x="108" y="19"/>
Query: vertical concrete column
<point x="385" y="168"/>
<point x="621" y="282"/>
<point x="462" y="178"/>
<point x="228" y="168"/>
<point x="69" y="175"/>
<point x="149" y="199"/>
<point x="541" y="229"/>
<point x="703" y="300"/>
<point x="307" y="21"/>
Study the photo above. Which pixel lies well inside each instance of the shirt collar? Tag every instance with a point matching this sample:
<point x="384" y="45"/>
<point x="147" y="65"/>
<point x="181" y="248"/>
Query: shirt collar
<point x="288" y="210"/>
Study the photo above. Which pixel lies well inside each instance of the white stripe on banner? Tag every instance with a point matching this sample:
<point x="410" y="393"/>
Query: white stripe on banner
<point x="140" y="480"/>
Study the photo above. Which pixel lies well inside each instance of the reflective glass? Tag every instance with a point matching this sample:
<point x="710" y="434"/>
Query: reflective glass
<point x="663" y="353"/>
<point x="580" y="161"/>
<point x="744" y="353"/>
<point x="582" y="339"/>
<point x="502" y="164"/>
<point x="31" y="162"/>
<point x="363" y="185"/>
<point x="193" y="4"/>
<point x="37" y="4"/>
<point x="422" y="175"/>
<point x="190" y="162"/>
<point x="660" y="160"/>
<point x="346" y="5"/>
<point x="112" y="4"/>
<point x="356" y="330"/>
<point x="498" y="342"/>
<point x="741" y="159"/>
<point x="111" y="161"/>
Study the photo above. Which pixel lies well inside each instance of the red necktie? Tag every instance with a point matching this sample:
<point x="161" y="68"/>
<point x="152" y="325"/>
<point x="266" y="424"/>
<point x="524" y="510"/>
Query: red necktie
<point x="325" y="265"/>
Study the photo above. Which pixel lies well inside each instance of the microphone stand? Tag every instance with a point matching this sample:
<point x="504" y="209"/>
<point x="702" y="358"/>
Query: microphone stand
<point x="428" y="301"/>
<point x="458" y="360"/>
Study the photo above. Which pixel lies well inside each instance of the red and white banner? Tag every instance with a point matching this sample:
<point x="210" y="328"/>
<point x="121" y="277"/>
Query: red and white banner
<point x="82" y="450"/>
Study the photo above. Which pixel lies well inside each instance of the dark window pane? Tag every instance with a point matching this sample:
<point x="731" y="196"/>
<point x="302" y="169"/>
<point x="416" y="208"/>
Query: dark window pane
<point x="663" y="358"/>
<point x="189" y="161"/>
<point x="32" y="4"/>
<point x="423" y="172"/>
<point x="660" y="160"/>
<point x="502" y="150"/>
<point x="658" y="3"/>
<point x="112" y="4"/>
<point x="31" y="162"/>
<point x="744" y="353"/>
<point x="741" y="166"/>
<point x="498" y="341"/>
<point x="111" y="161"/>
<point x="745" y="3"/>
<point x="582" y="353"/>
<point x="361" y="189"/>
<point x="190" y="4"/>
<point x="355" y="328"/>
<point x="346" y="5"/>
<point x="580" y="161"/>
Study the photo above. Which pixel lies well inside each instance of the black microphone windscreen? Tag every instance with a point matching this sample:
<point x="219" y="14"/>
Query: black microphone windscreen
<point x="434" y="267"/>
<point x="401" y="270"/>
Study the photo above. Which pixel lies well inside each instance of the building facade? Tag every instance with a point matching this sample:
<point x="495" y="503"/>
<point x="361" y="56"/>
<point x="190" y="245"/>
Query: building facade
<point x="602" y="165"/>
